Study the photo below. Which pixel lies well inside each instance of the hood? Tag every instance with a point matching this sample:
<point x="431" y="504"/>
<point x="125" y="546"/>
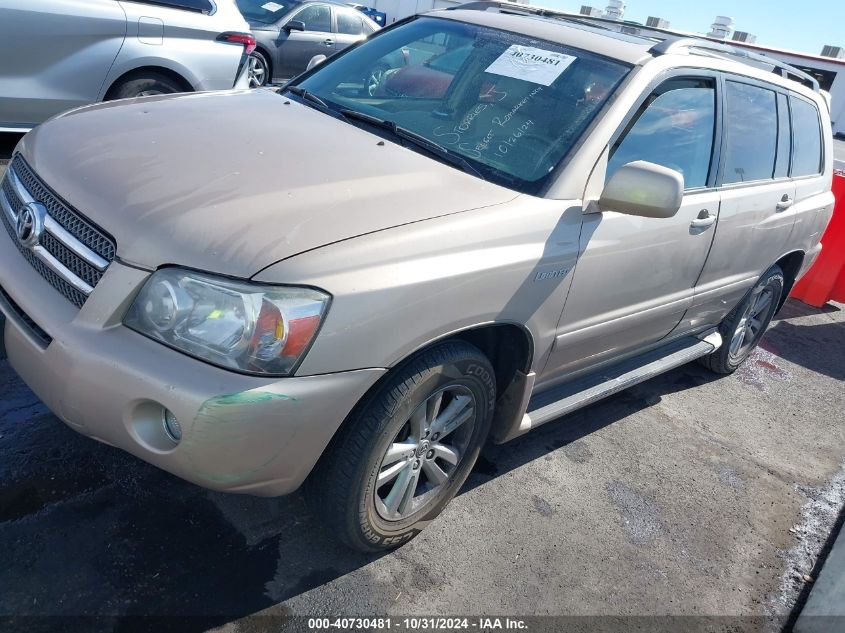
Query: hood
<point x="235" y="181"/>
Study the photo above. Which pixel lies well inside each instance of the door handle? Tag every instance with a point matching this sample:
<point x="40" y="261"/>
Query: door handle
<point x="328" y="42"/>
<point x="784" y="203"/>
<point x="704" y="219"/>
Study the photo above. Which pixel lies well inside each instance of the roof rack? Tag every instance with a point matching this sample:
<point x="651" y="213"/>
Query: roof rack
<point x="667" y="45"/>
<point x="670" y="44"/>
<point x="510" y="7"/>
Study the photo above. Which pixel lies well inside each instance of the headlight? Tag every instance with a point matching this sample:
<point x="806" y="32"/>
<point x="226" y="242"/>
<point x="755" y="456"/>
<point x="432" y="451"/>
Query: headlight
<point x="238" y="325"/>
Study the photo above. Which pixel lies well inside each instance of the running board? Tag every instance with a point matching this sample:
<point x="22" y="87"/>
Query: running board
<point x="558" y="401"/>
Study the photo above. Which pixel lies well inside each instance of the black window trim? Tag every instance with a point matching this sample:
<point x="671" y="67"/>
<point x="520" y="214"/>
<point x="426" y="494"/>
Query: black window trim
<point x="174" y="4"/>
<point x="791" y="135"/>
<point x="675" y="74"/>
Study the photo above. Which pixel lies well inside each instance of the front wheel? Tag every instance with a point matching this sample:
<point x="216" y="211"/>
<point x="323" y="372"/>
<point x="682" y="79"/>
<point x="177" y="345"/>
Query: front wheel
<point x="743" y="328"/>
<point x="401" y="458"/>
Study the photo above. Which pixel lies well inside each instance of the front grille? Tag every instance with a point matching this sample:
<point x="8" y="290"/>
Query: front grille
<point x="77" y="231"/>
<point x="16" y="312"/>
<point x="76" y="225"/>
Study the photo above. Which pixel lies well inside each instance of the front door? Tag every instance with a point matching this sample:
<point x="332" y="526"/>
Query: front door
<point x="294" y="49"/>
<point x="635" y="276"/>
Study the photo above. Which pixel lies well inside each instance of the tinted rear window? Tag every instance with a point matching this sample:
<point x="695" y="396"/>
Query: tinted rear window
<point x="806" y="138"/>
<point x="752" y="130"/>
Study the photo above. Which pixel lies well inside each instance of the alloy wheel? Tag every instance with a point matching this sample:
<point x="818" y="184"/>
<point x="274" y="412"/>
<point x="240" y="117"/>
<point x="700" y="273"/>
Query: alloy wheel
<point x="256" y="71"/>
<point x="750" y="327"/>
<point x="425" y="453"/>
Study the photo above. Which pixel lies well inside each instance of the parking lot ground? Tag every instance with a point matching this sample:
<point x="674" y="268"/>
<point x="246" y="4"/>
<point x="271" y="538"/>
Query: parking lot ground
<point x="688" y="495"/>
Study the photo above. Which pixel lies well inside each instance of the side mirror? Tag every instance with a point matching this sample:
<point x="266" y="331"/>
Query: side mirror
<point x="295" y="25"/>
<point x="316" y="61"/>
<point x="644" y="189"/>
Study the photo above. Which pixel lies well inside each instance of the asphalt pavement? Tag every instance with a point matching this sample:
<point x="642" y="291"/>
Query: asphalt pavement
<point x="689" y="495"/>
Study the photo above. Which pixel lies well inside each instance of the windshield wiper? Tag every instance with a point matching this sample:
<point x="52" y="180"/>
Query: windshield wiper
<point x="308" y="96"/>
<point x="415" y="139"/>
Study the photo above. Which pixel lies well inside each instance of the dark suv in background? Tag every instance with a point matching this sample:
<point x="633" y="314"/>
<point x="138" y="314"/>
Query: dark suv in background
<point x="290" y="33"/>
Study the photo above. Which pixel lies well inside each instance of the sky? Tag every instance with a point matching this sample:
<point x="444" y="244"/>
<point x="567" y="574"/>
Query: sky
<point x="797" y="25"/>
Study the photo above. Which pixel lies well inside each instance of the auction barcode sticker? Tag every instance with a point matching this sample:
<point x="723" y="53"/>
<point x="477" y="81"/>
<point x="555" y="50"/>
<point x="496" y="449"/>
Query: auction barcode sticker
<point x="531" y="64"/>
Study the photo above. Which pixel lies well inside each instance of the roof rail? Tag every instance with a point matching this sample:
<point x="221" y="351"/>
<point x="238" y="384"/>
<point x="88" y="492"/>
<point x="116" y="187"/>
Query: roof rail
<point x="528" y="9"/>
<point x="670" y="44"/>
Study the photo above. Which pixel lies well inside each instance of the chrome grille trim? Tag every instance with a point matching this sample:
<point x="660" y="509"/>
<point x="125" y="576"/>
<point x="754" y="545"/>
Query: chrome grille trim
<point x="57" y="230"/>
<point x="71" y="254"/>
<point x="91" y="236"/>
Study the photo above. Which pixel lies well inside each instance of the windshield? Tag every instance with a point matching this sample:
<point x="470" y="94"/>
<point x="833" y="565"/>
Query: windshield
<point x="264" y="11"/>
<point x="512" y="106"/>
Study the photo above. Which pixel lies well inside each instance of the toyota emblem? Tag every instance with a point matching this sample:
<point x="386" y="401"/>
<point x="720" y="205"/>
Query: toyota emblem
<point x="30" y="224"/>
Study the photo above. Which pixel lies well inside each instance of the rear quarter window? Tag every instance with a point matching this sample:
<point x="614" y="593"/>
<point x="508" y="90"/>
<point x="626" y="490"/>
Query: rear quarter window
<point x="806" y="138"/>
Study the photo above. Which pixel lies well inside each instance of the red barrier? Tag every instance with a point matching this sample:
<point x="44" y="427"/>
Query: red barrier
<point x="825" y="281"/>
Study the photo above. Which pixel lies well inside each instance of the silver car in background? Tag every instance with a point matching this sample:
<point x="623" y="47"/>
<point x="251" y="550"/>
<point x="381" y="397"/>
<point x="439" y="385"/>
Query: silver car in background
<point x="59" y="54"/>
<point x="294" y="34"/>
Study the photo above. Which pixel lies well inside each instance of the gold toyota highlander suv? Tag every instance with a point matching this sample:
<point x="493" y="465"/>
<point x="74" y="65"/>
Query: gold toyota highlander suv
<point x="355" y="282"/>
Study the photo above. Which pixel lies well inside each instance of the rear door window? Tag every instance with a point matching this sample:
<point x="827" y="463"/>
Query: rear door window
<point x="751" y="122"/>
<point x="673" y="128"/>
<point x="806" y="137"/>
<point x="349" y="23"/>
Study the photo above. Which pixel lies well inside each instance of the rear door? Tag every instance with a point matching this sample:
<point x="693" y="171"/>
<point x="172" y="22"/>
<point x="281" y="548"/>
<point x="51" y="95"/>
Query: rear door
<point x="55" y="55"/>
<point x="758" y="196"/>
<point x="635" y="276"/>
<point x="296" y="48"/>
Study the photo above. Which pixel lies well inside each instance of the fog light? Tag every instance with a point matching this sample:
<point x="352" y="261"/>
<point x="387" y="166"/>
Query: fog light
<point x="172" y="426"/>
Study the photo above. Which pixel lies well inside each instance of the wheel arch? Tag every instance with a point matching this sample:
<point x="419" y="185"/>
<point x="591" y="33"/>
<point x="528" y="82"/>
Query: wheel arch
<point x="143" y="70"/>
<point x="509" y="347"/>
<point x="790" y="264"/>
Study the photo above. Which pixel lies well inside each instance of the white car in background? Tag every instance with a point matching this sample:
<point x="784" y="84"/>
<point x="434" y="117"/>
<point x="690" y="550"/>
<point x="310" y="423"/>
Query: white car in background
<point x="59" y="54"/>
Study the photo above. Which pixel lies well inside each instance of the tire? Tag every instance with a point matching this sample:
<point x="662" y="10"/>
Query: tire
<point x="344" y="490"/>
<point x="145" y="85"/>
<point x="258" y="70"/>
<point x="759" y="305"/>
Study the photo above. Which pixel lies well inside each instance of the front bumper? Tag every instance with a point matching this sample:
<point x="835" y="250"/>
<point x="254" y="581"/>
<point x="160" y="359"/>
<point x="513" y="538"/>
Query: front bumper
<point x="241" y="433"/>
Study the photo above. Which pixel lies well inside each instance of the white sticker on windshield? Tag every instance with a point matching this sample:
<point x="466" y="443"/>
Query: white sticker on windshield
<point x="272" y="6"/>
<point x="531" y="64"/>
